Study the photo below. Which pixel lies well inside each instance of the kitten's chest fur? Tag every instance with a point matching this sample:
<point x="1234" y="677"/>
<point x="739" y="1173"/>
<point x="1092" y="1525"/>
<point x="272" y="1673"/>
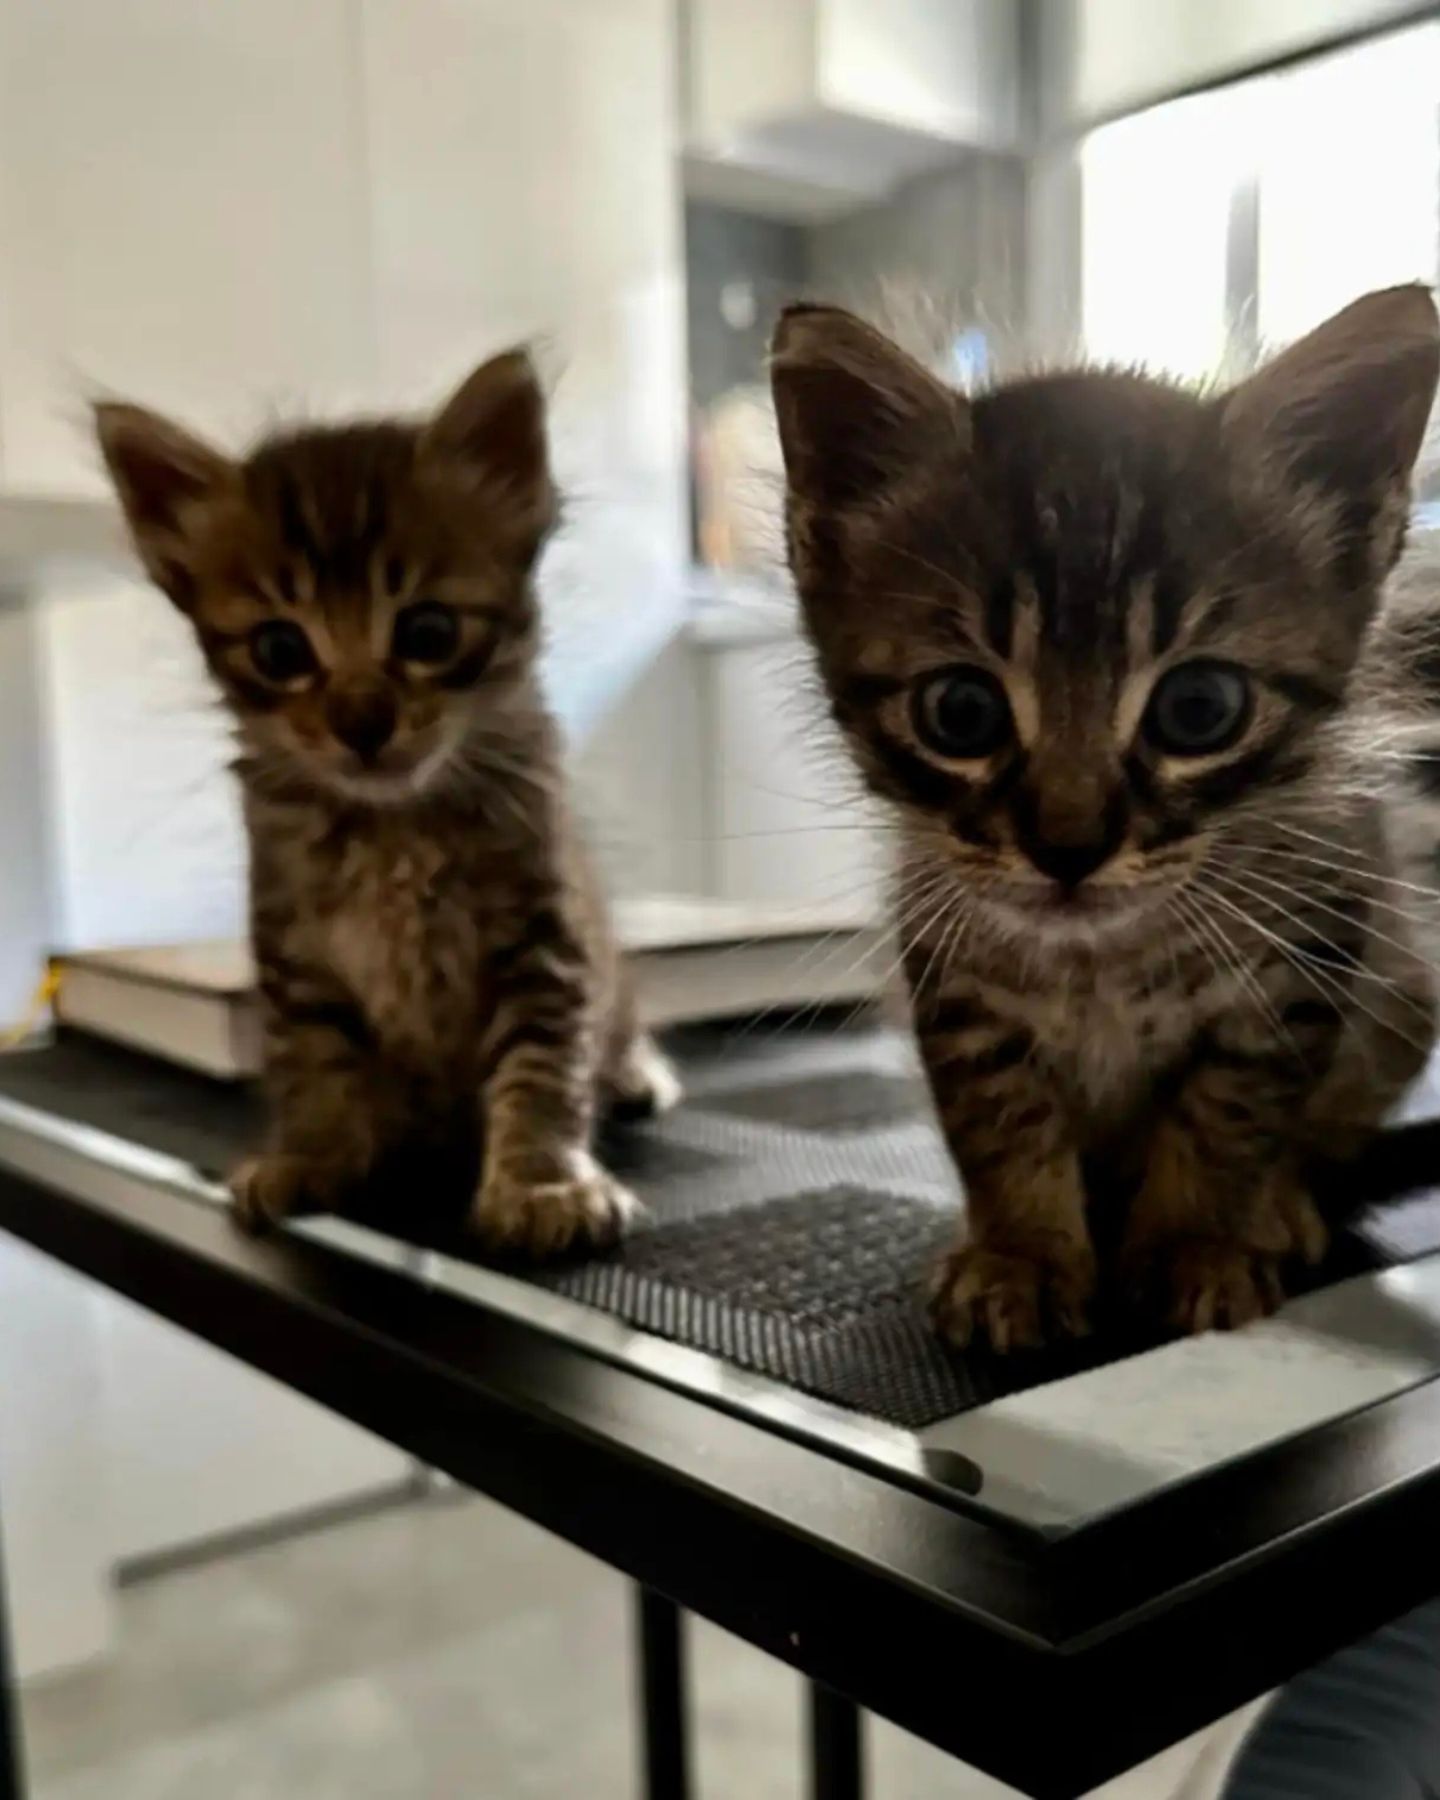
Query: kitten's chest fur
<point x="1108" y="1032"/>
<point x="401" y="924"/>
<point x="402" y="912"/>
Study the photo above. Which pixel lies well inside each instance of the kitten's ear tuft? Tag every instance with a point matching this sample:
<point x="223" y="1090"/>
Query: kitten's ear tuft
<point x="494" y="425"/>
<point x="853" y="408"/>
<point x="1344" y="410"/>
<point x="164" y="477"/>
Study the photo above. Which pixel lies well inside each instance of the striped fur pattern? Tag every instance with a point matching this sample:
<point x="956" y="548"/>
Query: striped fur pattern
<point x="1102" y="644"/>
<point x="435" y="963"/>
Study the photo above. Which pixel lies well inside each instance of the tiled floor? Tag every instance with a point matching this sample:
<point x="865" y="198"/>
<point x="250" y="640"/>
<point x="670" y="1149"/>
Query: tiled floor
<point x="438" y="1651"/>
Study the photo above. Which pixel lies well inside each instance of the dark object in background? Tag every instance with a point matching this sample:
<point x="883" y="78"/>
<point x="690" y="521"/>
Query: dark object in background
<point x="1363" y="1726"/>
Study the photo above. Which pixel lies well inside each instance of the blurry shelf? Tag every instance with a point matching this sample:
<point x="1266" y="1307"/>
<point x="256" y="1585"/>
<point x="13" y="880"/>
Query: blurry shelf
<point x="52" y="532"/>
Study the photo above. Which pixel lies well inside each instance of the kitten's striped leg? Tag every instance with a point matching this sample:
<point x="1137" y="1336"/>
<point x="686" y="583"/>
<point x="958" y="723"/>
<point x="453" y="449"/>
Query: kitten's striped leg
<point x="543" y="1191"/>
<point x="1026" y="1270"/>
<point x="1223" y="1206"/>
<point x="329" y="1114"/>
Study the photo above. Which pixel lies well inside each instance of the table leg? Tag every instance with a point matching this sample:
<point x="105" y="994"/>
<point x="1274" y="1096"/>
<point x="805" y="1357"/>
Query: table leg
<point x="660" y="1642"/>
<point x="837" y="1750"/>
<point x="12" y="1772"/>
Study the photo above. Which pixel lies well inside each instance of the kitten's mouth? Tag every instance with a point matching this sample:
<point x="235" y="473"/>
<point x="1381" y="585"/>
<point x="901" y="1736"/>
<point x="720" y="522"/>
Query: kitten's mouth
<point x="1089" y="902"/>
<point x="395" y="774"/>
<point x="378" y="783"/>
<point x="1051" y="898"/>
<point x="1050" y="906"/>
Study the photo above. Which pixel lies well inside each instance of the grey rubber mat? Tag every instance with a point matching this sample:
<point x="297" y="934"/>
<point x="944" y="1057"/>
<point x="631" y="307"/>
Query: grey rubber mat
<point x="795" y="1204"/>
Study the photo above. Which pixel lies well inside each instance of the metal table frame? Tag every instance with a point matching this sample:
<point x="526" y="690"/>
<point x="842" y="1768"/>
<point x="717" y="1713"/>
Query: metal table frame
<point x="1122" y="1637"/>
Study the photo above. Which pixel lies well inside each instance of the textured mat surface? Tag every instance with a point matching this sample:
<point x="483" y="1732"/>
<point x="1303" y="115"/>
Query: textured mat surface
<point x="796" y="1203"/>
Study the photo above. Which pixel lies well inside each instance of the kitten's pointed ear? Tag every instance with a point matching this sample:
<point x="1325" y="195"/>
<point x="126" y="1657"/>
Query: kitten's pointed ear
<point x="853" y="408"/>
<point x="1344" y="411"/>
<point x="494" y="425"/>
<point x="164" y="478"/>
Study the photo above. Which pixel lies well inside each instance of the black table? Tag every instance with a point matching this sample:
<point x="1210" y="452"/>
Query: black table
<point x="798" y="1489"/>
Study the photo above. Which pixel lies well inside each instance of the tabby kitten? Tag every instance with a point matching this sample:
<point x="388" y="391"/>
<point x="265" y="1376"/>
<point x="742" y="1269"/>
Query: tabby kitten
<point x="1098" y="640"/>
<point x="434" y="961"/>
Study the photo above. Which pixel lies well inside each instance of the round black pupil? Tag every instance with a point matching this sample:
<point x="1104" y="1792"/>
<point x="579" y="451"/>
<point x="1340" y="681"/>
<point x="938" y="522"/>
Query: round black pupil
<point x="426" y="635"/>
<point x="1199" y="708"/>
<point x="966" y="714"/>
<point x="282" y="652"/>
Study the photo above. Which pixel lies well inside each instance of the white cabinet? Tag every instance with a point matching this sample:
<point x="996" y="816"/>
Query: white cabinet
<point x="791" y="823"/>
<point x="811" y="107"/>
<point x="182" y="217"/>
<point x="522" y="166"/>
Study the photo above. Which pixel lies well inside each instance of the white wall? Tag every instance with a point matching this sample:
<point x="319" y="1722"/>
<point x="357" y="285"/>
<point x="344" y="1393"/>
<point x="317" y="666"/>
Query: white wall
<point x="466" y="173"/>
<point x="24" y="877"/>
<point x="182" y="216"/>
<point x="525" y="185"/>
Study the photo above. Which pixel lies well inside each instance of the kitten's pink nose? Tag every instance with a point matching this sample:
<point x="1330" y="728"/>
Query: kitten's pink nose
<point x="362" y="718"/>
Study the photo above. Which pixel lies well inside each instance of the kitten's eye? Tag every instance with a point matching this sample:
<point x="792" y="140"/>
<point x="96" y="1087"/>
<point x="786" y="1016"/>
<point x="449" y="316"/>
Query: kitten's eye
<point x="1198" y="708"/>
<point x="426" y="633"/>
<point x="281" y="651"/>
<point x="962" y="713"/>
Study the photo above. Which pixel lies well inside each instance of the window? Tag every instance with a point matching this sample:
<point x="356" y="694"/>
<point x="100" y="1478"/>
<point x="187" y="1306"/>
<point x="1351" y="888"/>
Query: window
<point x="1217" y="224"/>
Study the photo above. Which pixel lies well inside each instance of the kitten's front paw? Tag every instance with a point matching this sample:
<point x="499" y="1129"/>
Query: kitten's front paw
<point x="577" y="1208"/>
<point x="266" y="1190"/>
<point x="1015" y="1300"/>
<point x="1209" y="1284"/>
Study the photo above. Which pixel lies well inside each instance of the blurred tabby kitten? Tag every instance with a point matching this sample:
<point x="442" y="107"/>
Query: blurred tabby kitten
<point x="434" y="961"/>
<point x="1102" y="642"/>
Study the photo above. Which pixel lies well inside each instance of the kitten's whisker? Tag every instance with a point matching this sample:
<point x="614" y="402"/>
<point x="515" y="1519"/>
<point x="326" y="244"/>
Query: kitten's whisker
<point x="884" y="828"/>
<point x="1329" y="988"/>
<point x="950" y="906"/>
<point x="1337" y="993"/>
<point x="1310" y="900"/>
<point x="1312" y="837"/>
<point x="948" y="576"/>
<point x="954" y="939"/>
<point x="1357" y="871"/>
<point x="1247" y="978"/>
<point x="815" y="961"/>
<point x="936" y="928"/>
<point x="1386" y="906"/>
<point x="1186" y="915"/>
<point x="1357" y="972"/>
